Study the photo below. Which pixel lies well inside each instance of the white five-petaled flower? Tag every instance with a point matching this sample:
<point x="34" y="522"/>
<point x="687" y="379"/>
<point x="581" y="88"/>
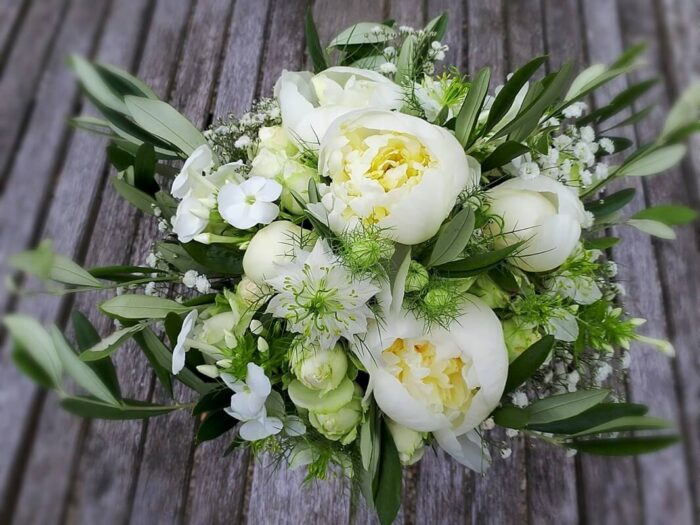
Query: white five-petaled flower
<point x="248" y="404"/>
<point x="319" y="297"/>
<point x="249" y="203"/>
<point x="181" y="345"/>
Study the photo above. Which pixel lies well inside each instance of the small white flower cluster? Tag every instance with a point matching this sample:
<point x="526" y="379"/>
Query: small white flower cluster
<point x="191" y="279"/>
<point x="572" y="158"/>
<point x="232" y="138"/>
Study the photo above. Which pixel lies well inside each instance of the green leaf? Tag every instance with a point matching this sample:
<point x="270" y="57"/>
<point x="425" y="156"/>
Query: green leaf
<point x="95" y="86"/>
<point x="86" y="337"/>
<point x="668" y="214"/>
<point x="622" y="100"/>
<point x="600" y="243"/>
<point x="478" y="263"/>
<point x="624" y="446"/>
<point x="81" y="373"/>
<point x="685" y="111"/>
<point x="627" y="423"/>
<point x="158" y="356"/>
<point x="132" y="306"/>
<point x="404" y="62"/>
<point x="128" y="409"/>
<point x="655" y="228"/>
<point x="614" y="202"/>
<point x="119" y="158"/>
<point x="563" y="406"/>
<point x="135" y="196"/>
<point x="527" y="363"/>
<point x="362" y="33"/>
<point x="511" y="417"/>
<point x="503" y="154"/>
<point x="66" y="271"/>
<point x="145" y="169"/>
<point x="215" y="425"/>
<point x="438" y="26"/>
<point x="313" y="43"/>
<point x="165" y="122"/>
<point x="471" y="107"/>
<point x="387" y="496"/>
<point x="37" y="262"/>
<point x="37" y="343"/>
<point x="653" y="161"/>
<point x="123" y="82"/>
<point x="175" y="255"/>
<point x="26" y="364"/>
<point x="597" y="415"/>
<point x="216" y="258"/>
<point x="527" y="119"/>
<point x="111" y="343"/>
<point x="123" y="272"/>
<point x="505" y="98"/>
<point x="215" y="399"/>
<point x="583" y="79"/>
<point x="453" y="238"/>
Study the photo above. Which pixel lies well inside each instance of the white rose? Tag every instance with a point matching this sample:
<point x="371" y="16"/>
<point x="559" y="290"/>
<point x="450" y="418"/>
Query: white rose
<point x="272" y="245"/>
<point x="544" y="213"/>
<point x="310" y="103"/>
<point x="446" y="381"/>
<point x="393" y="170"/>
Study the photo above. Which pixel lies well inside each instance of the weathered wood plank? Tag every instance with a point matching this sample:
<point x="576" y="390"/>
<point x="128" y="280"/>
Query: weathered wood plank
<point x="665" y="476"/>
<point x="603" y="480"/>
<point x="218" y="485"/>
<point x="162" y="486"/>
<point x="11" y="16"/>
<point x="24" y="66"/>
<point x="50" y="464"/>
<point x="109" y="458"/>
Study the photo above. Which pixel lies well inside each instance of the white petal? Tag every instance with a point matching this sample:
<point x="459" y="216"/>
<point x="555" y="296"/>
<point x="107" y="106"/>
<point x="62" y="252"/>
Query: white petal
<point x="294" y="426"/>
<point x="246" y="406"/>
<point x="260" y="428"/>
<point x="180" y="347"/>
<point x="239" y="215"/>
<point x="270" y="191"/>
<point x="258" y="381"/>
<point x="467" y="449"/>
<point x="230" y="194"/>
<point x="264" y="212"/>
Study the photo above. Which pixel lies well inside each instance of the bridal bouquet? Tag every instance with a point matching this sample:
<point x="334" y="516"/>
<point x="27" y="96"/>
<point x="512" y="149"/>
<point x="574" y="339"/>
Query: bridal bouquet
<point x="377" y="260"/>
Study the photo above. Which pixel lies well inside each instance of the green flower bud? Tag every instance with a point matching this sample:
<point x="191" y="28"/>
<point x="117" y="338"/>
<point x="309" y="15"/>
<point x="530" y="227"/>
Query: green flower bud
<point x="295" y="178"/>
<point x="438" y="300"/>
<point x="319" y="369"/>
<point x="409" y="443"/>
<point x="519" y="336"/>
<point x="492" y="294"/>
<point x="417" y="278"/>
<point x="367" y="252"/>
<point x="342" y="424"/>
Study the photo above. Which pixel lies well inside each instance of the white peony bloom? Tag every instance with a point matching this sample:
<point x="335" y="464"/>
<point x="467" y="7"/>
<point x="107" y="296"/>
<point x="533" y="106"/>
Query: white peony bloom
<point x="393" y="170"/>
<point x="309" y="103"/>
<point x="272" y="245"/>
<point x="249" y="203"/>
<point x="248" y="404"/>
<point x="446" y="381"/>
<point x="544" y="213"/>
<point x="319" y="298"/>
<point x="181" y="345"/>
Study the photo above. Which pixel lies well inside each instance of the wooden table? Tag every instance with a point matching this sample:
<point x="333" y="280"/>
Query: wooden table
<point x="211" y="57"/>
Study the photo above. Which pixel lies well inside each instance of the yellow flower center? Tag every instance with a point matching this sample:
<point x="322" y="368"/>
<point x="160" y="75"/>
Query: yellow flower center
<point x="438" y="381"/>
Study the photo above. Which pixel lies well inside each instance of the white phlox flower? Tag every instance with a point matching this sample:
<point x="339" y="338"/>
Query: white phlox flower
<point x="181" y="346"/>
<point x="249" y="203"/>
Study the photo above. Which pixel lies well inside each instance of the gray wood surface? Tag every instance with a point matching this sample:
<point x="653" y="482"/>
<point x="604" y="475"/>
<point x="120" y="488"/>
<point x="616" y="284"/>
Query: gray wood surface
<point x="213" y="57"/>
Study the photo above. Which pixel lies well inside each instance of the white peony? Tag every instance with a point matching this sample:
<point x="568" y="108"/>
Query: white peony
<point x="309" y="103"/>
<point x="272" y="245"/>
<point x="544" y="213"/>
<point x="393" y="170"/>
<point x="446" y="381"/>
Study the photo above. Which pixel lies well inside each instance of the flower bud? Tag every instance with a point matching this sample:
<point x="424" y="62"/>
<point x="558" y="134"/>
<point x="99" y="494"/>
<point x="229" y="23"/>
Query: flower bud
<point x="250" y="292"/>
<point x="342" y="424"/>
<point x="319" y="369"/>
<point x="437" y="300"/>
<point x="296" y="177"/>
<point x="492" y="294"/>
<point x="519" y="336"/>
<point x="273" y="244"/>
<point x="218" y="330"/>
<point x="409" y="443"/>
<point x="417" y="278"/>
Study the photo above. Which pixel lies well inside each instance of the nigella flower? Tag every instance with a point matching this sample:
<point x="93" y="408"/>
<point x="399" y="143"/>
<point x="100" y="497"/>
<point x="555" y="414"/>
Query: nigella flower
<point x="319" y="297"/>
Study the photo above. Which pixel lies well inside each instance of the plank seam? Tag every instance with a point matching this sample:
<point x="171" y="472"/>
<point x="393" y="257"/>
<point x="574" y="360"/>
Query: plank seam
<point x="12" y="34"/>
